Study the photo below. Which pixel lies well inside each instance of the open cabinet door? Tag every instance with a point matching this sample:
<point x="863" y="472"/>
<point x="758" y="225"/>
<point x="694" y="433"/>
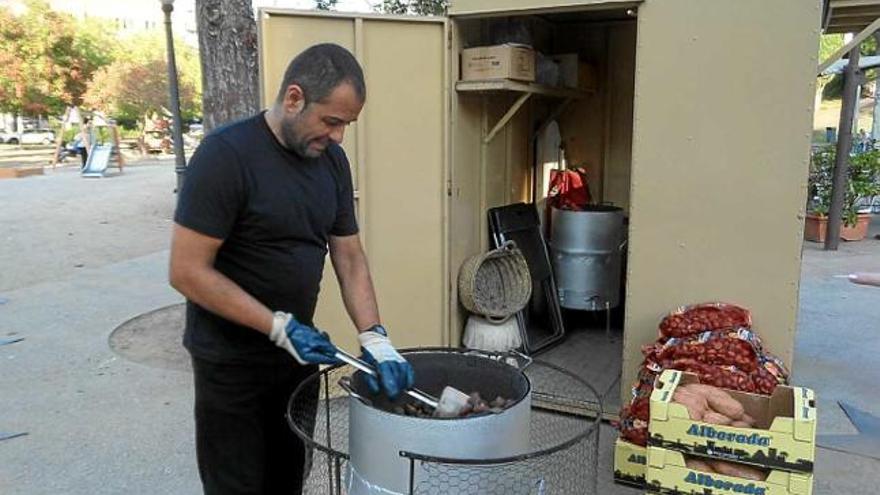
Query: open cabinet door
<point x="398" y="155"/>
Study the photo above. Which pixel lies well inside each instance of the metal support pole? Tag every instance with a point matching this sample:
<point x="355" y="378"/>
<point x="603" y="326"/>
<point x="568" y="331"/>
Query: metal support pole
<point x="844" y="145"/>
<point x="177" y="131"/>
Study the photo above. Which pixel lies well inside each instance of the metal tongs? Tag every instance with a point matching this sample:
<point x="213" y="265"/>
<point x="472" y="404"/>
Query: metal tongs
<point x="452" y="401"/>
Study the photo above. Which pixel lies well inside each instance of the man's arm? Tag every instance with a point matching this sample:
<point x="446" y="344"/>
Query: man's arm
<point x="193" y="274"/>
<point x="350" y="264"/>
<point x="353" y="273"/>
<point x="865" y="278"/>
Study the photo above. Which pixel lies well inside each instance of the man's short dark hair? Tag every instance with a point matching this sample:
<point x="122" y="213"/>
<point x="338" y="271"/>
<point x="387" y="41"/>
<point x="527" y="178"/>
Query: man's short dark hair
<point x="320" y="69"/>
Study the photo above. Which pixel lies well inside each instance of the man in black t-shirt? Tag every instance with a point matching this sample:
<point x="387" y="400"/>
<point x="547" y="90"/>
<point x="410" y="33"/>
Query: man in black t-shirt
<point x="263" y="202"/>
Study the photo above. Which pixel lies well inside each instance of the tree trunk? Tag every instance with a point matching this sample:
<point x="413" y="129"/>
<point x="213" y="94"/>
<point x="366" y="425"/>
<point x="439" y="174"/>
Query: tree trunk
<point x="228" y="52"/>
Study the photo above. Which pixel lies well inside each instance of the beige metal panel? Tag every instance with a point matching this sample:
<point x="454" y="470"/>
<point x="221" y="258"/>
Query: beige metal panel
<point x="405" y="173"/>
<point x="477" y="7"/>
<point x="464" y="180"/>
<point x="720" y="160"/>
<point x="465" y="220"/>
<point x="398" y="158"/>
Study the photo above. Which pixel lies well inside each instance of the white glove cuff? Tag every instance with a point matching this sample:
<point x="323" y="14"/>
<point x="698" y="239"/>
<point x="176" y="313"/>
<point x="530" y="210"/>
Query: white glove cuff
<point x="278" y="335"/>
<point x="279" y="326"/>
<point x="380" y="347"/>
<point x="369" y="338"/>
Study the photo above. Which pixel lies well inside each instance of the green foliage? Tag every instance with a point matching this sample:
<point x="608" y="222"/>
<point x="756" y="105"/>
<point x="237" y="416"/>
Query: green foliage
<point x="414" y="7"/>
<point x="136" y="83"/>
<point x="863" y="181"/>
<point x="47" y="58"/>
<point x="828" y="44"/>
<point x="833" y="89"/>
<point x="325" y="4"/>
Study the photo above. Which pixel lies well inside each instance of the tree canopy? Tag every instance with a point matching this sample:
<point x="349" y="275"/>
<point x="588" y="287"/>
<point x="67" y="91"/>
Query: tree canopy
<point x="47" y="58"/>
<point x="414" y="7"/>
<point x="136" y="82"/>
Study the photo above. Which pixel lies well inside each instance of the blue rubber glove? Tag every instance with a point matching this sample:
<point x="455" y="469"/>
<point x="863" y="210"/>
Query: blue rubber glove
<point x="395" y="374"/>
<point x="307" y="345"/>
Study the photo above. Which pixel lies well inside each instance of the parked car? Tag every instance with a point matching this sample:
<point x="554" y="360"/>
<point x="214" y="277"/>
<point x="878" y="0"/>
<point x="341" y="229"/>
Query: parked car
<point x="6" y="136"/>
<point x="196" y="130"/>
<point x="35" y="136"/>
<point x="869" y="205"/>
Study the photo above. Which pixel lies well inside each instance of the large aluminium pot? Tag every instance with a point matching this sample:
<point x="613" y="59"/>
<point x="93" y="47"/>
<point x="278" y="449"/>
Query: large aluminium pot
<point x="587" y="251"/>
<point x="377" y="436"/>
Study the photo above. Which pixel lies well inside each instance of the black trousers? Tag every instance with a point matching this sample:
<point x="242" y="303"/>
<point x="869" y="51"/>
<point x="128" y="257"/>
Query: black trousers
<point x="244" y="444"/>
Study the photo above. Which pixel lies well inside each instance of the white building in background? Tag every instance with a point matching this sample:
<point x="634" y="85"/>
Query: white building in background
<point x="135" y="16"/>
<point x="128" y="16"/>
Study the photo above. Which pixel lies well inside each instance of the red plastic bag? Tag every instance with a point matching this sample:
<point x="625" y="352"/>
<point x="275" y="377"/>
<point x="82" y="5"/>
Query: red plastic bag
<point x="569" y="189"/>
<point x="699" y="318"/>
<point x="735" y="347"/>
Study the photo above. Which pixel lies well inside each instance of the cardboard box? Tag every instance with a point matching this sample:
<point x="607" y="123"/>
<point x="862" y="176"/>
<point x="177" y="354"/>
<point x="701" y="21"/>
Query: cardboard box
<point x="630" y="463"/>
<point x="575" y="74"/>
<point x="667" y="473"/>
<point x="498" y="62"/>
<point x="786" y="439"/>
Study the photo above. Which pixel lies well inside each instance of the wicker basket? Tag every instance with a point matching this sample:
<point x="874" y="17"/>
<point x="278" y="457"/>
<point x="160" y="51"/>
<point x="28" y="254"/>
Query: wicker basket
<point x="495" y="284"/>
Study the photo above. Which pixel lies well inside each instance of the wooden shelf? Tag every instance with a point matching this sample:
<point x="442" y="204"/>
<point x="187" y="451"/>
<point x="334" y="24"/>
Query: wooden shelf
<point x="493" y="85"/>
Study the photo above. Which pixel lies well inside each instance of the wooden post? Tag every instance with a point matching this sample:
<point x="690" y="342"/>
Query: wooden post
<point x="120" y="160"/>
<point x="60" y="138"/>
<point x="844" y="145"/>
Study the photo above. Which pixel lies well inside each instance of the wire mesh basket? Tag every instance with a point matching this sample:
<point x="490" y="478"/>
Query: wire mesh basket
<point x="562" y="458"/>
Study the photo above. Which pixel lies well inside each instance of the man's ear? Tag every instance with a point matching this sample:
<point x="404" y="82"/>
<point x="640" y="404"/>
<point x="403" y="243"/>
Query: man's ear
<point x="294" y="98"/>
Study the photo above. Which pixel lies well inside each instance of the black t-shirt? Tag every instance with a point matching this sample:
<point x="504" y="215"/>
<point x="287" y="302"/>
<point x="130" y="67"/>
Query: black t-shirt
<point x="275" y="212"/>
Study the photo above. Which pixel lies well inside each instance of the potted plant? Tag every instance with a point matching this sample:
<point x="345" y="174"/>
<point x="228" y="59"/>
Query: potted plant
<point x="863" y="182"/>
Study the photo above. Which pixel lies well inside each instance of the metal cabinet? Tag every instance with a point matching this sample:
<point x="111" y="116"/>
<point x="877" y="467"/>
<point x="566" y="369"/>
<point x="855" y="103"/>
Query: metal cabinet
<point x="700" y="130"/>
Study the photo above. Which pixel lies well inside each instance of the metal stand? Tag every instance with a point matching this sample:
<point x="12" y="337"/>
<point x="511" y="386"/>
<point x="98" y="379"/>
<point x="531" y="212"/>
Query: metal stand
<point x="564" y="432"/>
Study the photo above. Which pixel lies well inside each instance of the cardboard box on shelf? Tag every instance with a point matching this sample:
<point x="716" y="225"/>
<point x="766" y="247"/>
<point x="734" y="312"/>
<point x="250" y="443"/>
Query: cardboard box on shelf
<point x="630" y="463"/>
<point x="507" y="61"/>
<point x="667" y="473"/>
<point x="784" y="440"/>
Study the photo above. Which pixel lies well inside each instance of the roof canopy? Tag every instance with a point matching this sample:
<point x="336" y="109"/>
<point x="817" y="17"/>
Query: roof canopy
<point x="850" y="16"/>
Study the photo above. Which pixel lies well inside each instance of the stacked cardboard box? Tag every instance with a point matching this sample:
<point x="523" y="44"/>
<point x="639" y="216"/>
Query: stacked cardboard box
<point x="630" y="463"/>
<point x="783" y="442"/>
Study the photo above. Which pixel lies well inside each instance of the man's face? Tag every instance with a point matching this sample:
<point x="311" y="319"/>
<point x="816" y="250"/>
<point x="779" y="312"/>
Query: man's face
<point x="309" y="129"/>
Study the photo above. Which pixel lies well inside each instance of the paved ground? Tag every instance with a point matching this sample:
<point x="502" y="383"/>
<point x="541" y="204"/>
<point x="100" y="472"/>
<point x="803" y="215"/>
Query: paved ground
<point x="80" y="257"/>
